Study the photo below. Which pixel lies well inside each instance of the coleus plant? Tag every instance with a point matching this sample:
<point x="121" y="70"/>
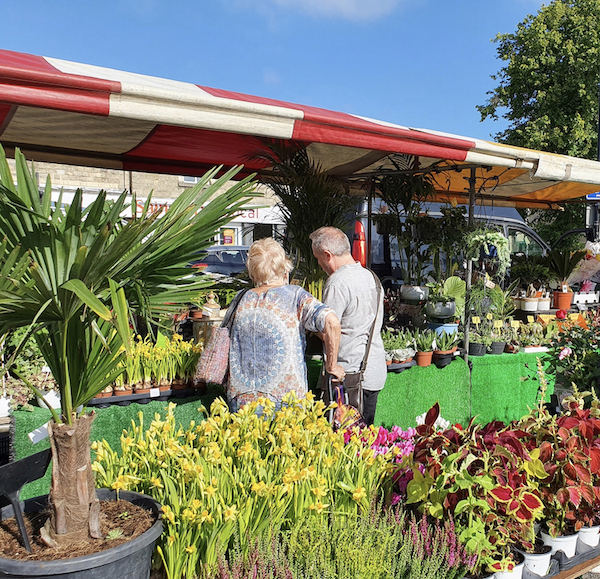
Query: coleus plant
<point x="569" y="450"/>
<point x="485" y="478"/>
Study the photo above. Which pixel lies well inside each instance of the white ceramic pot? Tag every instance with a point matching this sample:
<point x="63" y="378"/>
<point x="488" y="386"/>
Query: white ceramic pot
<point x="537" y="563"/>
<point x="529" y="304"/>
<point x="4" y="406"/>
<point x="440" y="309"/>
<point x="414" y="293"/>
<point x="516" y="573"/>
<point x="567" y="543"/>
<point x="544" y="304"/>
<point x="590" y="535"/>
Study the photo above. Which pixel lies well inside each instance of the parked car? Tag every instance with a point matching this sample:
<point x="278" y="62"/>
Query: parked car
<point x="223" y="259"/>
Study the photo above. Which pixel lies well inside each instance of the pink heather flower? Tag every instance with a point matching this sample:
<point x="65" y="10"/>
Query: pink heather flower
<point x="587" y="286"/>
<point x="564" y="353"/>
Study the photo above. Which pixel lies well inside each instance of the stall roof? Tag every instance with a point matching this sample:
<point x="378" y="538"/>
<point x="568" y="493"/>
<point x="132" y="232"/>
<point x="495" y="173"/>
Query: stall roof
<point x="67" y="112"/>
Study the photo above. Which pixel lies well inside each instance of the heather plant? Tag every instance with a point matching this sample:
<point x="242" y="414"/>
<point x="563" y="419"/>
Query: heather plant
<point x="375" y="545"/>
<point x="244" y="473"/>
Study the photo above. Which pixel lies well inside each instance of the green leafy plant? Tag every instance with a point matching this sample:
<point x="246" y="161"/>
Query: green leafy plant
<point x="424" y="340"/>
<point x="71" y="276"/>
<point x="478" y="246"/>
<point x="445" y="342"/>
<point x="562" y="264"/>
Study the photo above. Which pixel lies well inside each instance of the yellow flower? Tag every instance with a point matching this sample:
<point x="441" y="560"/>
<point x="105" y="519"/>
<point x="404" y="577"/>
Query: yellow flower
<point x="206" y="517"/>
<point x="156" y="482"/>
<point x="191" y="549"/>
<point x="230" y="513"/>
<point x="210" y="490"/>
<point x="258" y="488"/>
<point x="319" y="492"/>
<point x="171" y="540"/>
<point x="318" y="506"/>
<point x="359" y="494"/>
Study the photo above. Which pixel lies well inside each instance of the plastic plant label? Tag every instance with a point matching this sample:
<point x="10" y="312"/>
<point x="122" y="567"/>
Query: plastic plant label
<point x="515" y="324"/>
<point x="530" y="319"/>
<point x="490" y="316"/>
<point x="39" y="434"/>
<point x="490" y="284"/>
<point x="475" y="319"/>
<point x="497" y="323"/>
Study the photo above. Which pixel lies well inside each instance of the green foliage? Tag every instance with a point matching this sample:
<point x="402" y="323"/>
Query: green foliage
<point x="424" y="340"/>
<point x="562" y="263"/>
<point x="548" y="86"/>
<point x="76" y="273"/>
<point x="309" y="199"/>
<point x="404" y="195"/>
<point x="243" y="474"/>
<point x="548" y="92"/>
<point x="445" y="342"/>
<point x="531" y="269"/>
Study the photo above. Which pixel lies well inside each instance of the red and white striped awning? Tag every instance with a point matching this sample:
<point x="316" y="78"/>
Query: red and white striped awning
<point x="67" y="112"/>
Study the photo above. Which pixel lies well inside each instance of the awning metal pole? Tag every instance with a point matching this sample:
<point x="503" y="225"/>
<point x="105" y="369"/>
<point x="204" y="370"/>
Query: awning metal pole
<point x="469" y="267"/>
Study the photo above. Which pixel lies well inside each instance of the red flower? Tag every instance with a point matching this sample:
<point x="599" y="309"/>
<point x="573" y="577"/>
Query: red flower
<point x="561" y="314"/>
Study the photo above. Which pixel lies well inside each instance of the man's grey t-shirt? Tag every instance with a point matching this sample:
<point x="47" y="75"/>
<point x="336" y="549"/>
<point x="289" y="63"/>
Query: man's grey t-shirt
<point x="352" y="294"/>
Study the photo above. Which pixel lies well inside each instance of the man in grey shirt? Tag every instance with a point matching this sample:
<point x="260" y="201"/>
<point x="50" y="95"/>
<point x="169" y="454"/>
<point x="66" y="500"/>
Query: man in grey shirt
<point x="351" y="291"/>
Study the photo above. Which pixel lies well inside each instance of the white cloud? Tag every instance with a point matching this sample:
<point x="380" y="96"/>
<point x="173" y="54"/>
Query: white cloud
<point x="355" y="10"/>
<point x="270" y="76"/>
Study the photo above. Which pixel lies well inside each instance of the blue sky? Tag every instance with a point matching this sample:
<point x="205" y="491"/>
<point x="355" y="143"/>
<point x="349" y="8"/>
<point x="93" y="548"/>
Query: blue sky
<point x="418" y="63"/>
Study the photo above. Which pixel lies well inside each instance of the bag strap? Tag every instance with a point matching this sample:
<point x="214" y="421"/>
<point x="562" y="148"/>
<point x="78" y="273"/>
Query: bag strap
<point x="230" y="314"/>
<point x="363" y="364"/>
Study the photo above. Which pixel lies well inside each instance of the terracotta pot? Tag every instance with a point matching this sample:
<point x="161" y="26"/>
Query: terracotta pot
<point x="123" y="392"/>
<point x="424" y="358"/>
<point x="562" y="300"/>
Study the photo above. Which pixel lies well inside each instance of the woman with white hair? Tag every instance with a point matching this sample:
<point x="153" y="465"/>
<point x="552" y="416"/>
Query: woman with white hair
<point x="268" y="336"/>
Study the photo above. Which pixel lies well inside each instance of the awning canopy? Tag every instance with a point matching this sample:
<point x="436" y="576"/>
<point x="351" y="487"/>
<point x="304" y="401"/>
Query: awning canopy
<point x="66" y="112"/>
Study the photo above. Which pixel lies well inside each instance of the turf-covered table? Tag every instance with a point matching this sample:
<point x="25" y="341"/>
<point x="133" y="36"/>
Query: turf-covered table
<point x="497" y="388"/>
<point x="108" y="424"/>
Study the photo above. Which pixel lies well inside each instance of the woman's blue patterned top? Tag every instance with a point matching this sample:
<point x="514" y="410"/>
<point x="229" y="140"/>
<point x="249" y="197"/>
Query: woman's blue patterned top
<point x="268" y="340"/>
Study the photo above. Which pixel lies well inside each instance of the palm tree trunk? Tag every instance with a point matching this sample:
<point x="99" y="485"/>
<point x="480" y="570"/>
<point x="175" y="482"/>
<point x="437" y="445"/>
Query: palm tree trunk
<point x="74" y="506"/>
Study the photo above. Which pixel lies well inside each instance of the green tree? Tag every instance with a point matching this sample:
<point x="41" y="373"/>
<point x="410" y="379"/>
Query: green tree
<point x="548" y="91"/>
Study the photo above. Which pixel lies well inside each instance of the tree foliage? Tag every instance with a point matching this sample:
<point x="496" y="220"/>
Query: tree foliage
<point x="548" y="88"/>
<point x="548" y="91"/>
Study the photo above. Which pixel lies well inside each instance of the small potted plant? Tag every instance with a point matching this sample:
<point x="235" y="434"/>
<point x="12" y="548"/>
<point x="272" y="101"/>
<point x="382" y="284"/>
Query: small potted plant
<point x="445" y="346"/>
<point x="562" y="264"/>
<point x="424" y="340"/>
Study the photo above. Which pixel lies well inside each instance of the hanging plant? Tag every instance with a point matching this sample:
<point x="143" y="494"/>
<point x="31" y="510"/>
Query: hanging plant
<point x="488" y="240"/>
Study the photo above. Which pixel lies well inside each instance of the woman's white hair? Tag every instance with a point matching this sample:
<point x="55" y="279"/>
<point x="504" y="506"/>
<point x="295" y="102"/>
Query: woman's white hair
<point x="267" y="261"/>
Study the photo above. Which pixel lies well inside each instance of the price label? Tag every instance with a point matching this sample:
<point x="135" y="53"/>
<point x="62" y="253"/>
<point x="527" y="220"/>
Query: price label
<point x="490" y="316"/>
<point x="497" y="323"/>
<point x="530" y="319"/>
<point x="475" y="319"/>
<point x="515" y="324"/>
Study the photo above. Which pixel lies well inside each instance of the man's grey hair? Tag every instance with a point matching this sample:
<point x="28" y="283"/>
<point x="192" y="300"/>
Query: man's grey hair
<point x="330" y="239"/>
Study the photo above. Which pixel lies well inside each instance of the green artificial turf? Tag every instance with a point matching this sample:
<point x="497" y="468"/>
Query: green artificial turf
<point x="504" y="386"/>
<point x="415" y="390"/>
<point x="108" y="425"/>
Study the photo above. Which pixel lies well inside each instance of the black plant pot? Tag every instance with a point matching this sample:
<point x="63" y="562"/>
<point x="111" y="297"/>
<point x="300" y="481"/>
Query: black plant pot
<point x="442" y="359"/>
<point x="130" y="560"/>
<point x="497" y="348"/>
<point x="477" y="349"/>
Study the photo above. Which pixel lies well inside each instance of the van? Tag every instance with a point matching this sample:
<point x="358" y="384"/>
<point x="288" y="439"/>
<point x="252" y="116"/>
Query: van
<point x="384" y="256"/>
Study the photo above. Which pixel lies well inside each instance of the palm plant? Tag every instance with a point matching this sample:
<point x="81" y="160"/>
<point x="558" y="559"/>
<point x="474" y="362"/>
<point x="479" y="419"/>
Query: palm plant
<point x="309" y="198"/>
<point x="71" y="276"/>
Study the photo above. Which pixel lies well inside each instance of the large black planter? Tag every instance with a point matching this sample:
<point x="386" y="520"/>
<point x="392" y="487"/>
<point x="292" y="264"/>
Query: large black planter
<point x="442" y="359"/>
<point x="130" y="560"/>
<point x="497" y="348"/>
<point x="477" y="349"/>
